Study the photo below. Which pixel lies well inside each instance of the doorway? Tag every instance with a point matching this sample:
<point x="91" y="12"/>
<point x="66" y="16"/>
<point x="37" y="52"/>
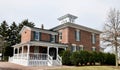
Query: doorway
<point x="53" y="52"/>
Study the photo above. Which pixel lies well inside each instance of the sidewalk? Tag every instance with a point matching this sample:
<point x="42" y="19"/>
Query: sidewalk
<point x="12" y="66"/>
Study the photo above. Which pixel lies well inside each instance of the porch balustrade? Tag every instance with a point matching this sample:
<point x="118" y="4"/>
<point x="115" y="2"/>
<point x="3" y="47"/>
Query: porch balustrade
<point x="59" y="59"/>
<point x="38" y="56"/>
<point x="35" y="59"/>
<point x="32" y="56"/>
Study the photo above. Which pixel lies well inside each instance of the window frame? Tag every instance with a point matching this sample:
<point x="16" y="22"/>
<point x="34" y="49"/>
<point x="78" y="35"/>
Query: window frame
<point x="77" y="35"/>
<point x="93" y="38"/>
<point x="81" y="47"/>
<point x="36" y="49"/>
<point x="74" y="48"/>
<point x="93" y="48"/>
<point x="60" y="35"/>
<point x="53" y="38"/>
<point x="38" y="36"/>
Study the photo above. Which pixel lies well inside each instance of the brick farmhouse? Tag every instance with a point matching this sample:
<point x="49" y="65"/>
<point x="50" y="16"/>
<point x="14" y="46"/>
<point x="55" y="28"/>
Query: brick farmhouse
<point x="41" y="47"/>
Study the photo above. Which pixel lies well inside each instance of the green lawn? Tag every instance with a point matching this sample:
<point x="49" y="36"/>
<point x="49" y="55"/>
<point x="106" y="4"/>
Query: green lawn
<point x="89" y="68"/>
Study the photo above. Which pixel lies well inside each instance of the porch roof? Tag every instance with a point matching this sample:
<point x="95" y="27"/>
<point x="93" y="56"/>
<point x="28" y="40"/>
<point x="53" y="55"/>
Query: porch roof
<point x="41" y="43"/>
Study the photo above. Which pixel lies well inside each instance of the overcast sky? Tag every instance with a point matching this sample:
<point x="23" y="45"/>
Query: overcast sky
<point x="90" y="13"/>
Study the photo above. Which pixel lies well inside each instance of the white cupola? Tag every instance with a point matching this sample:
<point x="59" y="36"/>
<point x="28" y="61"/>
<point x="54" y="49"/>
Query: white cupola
<point x="67" y="18"/>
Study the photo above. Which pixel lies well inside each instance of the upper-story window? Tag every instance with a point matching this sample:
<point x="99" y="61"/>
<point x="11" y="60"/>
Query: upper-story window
<point x="93" y="38"/>
<point x="37" y="36"/>
<point x="52" y="38"/>
<point x="77" y="35"/>
<point x="60" y="35"/>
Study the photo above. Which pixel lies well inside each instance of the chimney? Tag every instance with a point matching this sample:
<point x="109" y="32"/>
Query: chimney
<point x="42" y="26"/>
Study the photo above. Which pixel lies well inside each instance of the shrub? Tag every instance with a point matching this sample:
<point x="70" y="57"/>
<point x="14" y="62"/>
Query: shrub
<point x="92" y="58"/>
<point x="75" y="58"/>
<point x="109" y="59"/>
<point x="101" y="58"/>
<point x="84" y="56"/>
<point x="66" y="57"/>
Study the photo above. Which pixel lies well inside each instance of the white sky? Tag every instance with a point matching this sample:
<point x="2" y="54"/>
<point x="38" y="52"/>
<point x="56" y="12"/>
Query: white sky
<point x="90" y="13"/>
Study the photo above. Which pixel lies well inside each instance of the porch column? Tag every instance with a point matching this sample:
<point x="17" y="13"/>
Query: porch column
<point x="48" y="50"/>
<point x="28" y="51"/>
<point x="14" y="51"/>
<point x="22" y="50"/>
<point x="57" y="50"/>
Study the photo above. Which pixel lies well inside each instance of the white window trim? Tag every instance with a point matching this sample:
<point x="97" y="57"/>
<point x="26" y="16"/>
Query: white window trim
<point x="38" y="36"/>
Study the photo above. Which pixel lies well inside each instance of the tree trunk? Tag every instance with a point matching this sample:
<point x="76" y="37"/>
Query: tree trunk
<point x="116" y="56"/>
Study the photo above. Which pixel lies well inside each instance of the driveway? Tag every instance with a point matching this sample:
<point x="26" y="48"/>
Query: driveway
<point x="12" y="66"/>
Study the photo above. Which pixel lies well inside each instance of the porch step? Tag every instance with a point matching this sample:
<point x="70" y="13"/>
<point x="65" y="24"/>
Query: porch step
<point x="56" y="63"/>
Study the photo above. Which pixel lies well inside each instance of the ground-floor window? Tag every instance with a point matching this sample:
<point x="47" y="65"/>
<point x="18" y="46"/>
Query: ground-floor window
<point x="36" y="49"/>
<point x="73" y="48"/>
<point x="93" y="48"/>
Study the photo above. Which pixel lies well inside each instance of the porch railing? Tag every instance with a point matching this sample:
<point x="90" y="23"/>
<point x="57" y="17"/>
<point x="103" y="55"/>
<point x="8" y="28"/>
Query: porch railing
<point x="50" y="60"/>
<point x="38" y="56"/>
<point x="59" y="60"/>
<point x="32" y="56"/>
<point x="35" y="59"/>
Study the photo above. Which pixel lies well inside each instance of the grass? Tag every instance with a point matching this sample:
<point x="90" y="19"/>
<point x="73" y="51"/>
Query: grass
<point x="89" y="68"/>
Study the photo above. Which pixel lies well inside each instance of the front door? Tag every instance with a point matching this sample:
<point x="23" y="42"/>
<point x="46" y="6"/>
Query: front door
<point x="53" y="53"/>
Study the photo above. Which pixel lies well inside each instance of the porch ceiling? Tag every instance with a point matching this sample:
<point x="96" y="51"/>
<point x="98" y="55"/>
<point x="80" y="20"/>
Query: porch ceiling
<point x="41" y="43"/>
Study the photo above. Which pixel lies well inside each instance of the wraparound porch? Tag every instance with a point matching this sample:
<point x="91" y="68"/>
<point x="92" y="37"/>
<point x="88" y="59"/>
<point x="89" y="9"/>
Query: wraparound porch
<point x="46" y="55"/>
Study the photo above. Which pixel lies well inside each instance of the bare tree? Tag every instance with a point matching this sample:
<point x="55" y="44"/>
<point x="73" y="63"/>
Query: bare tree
<point x="111" y="32"/>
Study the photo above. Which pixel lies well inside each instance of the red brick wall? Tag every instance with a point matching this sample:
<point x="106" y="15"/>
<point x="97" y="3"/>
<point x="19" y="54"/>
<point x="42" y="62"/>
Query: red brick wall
<point x="68" y="35"/>
<point x="45" y="37"/>
<point x="26" y="36"/>
<point x="64" y="35"/>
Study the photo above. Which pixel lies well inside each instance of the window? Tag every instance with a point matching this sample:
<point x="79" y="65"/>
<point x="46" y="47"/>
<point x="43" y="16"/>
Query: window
<point x="93" y="39"/>
<point x="36" y="49"/>
<point x="73" y="48"/>
<point x="93" y="48"/>
<point x="52" y="38"/>
<point x="37" y="36"/>
<point x="81" y="47"/>
<point x="60" y="35"/>
<point x="77" y="35"/>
